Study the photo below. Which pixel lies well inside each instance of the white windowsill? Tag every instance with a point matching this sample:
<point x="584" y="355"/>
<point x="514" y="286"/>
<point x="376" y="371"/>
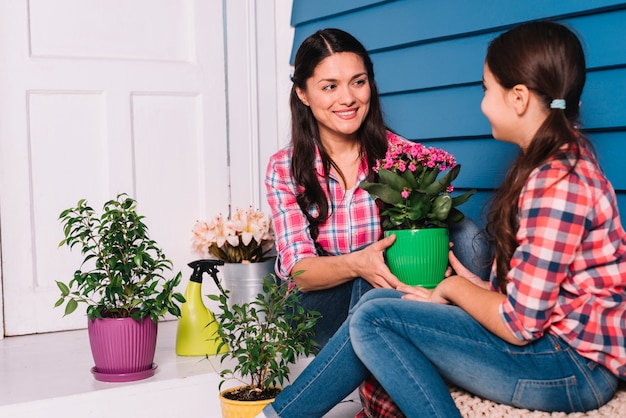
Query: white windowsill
<point x="48" y="375"/>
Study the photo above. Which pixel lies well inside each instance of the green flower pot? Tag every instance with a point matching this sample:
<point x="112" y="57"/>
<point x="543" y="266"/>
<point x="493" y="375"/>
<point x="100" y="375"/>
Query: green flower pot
<point x="419" y="257"/>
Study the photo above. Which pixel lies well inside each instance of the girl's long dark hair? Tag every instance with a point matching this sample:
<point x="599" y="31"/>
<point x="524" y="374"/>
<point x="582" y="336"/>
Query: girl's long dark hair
<point x="304" y="129"/>
<point x="547" y="58"/>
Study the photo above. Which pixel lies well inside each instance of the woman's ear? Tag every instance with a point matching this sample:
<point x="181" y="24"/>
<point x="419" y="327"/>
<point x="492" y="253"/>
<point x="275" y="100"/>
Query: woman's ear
<point x="520" y="98"/>
<point x="302" y="96"/>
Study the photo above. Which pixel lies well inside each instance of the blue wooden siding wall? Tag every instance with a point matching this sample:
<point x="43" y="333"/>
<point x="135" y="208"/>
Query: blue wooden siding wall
<point x="428" y="59"/>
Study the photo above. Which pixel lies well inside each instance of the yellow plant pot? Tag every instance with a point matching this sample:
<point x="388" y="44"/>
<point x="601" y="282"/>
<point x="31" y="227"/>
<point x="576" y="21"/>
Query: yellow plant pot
<point x="241" y="409"/>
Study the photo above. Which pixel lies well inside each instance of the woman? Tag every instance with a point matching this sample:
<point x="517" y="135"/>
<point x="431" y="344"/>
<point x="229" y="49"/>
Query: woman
<point x="326" y="226"/>
<point x="548" y="333"/>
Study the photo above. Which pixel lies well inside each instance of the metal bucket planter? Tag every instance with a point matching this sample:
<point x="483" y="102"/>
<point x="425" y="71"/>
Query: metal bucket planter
<point x="245" y="280"/>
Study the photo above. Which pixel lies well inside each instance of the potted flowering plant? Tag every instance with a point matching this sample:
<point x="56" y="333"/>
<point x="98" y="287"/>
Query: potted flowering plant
<point x="244" y="242"/>
<point x="415" y="199"/>
<point x="413" y="196"/>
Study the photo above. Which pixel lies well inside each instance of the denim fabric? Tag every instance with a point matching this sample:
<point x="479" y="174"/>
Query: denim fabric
<point x="469" y="247"/>
<point x="415" y="348"/>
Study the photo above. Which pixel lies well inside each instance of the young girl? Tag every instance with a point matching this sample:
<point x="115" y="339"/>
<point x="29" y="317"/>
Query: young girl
<point x="549" y="333"/>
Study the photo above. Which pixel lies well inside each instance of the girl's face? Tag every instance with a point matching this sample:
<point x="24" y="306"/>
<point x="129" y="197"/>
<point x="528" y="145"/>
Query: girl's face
<point x="498" y="109"/>
<point x="338" y="93"/>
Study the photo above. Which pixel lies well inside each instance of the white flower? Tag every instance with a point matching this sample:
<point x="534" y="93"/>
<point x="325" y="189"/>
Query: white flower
<point x="246" y="236"/>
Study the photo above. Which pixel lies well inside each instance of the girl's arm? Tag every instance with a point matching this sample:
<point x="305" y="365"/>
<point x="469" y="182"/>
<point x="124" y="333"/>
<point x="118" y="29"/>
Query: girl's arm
<point x="469" y="293"/>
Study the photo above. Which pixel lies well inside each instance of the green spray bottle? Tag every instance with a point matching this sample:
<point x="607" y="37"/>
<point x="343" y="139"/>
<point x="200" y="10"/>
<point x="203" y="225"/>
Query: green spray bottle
<point x="196" y="334"/>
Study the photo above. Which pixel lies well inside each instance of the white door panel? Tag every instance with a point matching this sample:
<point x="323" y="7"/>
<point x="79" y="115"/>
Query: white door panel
<point x="97" y="98"/>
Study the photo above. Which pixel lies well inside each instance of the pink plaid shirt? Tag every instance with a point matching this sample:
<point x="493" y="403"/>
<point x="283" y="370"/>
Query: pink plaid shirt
<point x="568" y="273"/>
<point x="353" y="223"/>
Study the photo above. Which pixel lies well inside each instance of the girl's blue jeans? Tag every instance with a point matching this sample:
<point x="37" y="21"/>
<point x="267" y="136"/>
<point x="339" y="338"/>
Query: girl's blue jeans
<point x="470" y="247"/>
<point x="415" y="348"/>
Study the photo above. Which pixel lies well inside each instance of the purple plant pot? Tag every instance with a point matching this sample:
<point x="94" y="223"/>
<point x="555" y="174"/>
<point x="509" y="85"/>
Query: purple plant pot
<point x="122" y="348"/>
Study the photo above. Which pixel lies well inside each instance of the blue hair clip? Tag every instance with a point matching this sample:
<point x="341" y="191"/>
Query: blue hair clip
<point x="557" y="104"/>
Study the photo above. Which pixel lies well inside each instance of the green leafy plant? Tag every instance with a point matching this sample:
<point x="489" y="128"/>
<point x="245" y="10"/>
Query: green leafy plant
<point x="408" y="186"/>
<point x="121" y="273"/>
<point x="264" y="337"/>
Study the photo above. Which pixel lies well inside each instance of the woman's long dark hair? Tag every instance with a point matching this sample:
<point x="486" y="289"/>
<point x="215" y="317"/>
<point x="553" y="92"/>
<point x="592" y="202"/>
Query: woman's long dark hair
<point x="547" y="58"/>
<point x="304" y="129"/>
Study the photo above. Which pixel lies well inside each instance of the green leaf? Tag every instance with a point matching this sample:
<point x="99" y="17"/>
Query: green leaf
<point x="459" y="200"/>
<point x="428" y="178"/>
<point x="410" y="179"/>
<point x="383" y="192"/>
<point x="63" y="288"/>
<point x="395" y="181"/>
<point x="70" y="307"/>
<point x="441" y="184"/>
<point x="441" y="207"/>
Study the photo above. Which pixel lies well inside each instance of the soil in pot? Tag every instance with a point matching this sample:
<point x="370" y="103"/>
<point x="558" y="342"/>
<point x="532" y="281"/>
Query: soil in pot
<point x="249" y="393"/>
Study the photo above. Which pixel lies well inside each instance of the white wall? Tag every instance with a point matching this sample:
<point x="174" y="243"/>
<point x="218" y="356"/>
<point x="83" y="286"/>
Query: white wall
<point x="222" y="81"/>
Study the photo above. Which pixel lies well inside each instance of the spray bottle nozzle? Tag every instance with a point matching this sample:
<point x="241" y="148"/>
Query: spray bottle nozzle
<point x="206" y="266"/>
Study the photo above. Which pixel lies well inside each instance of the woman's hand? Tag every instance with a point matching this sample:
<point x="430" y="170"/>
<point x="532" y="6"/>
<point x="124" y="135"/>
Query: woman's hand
<point x="327" y="272"/>
<point x="370" y="264"/>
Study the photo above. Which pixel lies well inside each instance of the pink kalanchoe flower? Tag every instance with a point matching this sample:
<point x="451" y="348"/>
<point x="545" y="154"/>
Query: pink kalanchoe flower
<point x="405" y="193"/>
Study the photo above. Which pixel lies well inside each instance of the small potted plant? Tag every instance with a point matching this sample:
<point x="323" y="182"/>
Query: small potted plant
<point x="244" y="242"/>
<point x="416" y="206"/>
<point x="264" y="337"/>
<point x="121" y="282"/>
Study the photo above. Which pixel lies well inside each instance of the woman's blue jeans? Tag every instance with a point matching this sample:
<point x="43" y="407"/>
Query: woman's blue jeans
<point x="470" y="247"/>
<point x="415" y="348"/>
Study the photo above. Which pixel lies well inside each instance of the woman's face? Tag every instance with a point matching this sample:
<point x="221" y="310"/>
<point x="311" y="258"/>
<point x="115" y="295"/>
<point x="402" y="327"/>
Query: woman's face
<point x="338" y="93"/>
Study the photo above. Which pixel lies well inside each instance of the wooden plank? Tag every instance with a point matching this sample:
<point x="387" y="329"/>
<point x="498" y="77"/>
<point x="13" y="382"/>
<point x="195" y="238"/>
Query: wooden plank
<point x="306" y="10"/>
<point x="611" y="150"/>
<point x="460" y="60"/>
<point x="455" y="111"/>
<point x="402" y="22"/>
<point x="483" y="161"/>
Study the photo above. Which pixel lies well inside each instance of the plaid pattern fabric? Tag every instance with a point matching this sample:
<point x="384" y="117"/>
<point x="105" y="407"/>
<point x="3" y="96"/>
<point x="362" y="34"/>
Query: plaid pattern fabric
<point x="375" y="402"/>
<point x="353" y="223"/>
<point x="568" y="273"/>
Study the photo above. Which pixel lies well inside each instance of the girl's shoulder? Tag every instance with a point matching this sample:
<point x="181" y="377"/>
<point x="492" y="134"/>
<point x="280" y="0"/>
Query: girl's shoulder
<point x="564" y="166"/>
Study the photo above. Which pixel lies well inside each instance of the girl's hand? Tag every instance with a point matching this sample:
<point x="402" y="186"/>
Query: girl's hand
<point x="461" y="270"/>
<point x="422" y="294"/>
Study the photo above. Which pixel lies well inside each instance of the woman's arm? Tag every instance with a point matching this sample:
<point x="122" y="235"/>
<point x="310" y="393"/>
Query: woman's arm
<point x="296" y="250"/>
<point x="325" y="272"/>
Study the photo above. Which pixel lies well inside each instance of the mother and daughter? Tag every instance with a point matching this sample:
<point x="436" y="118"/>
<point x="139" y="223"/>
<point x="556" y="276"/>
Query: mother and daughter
<point x="546" y="331"/>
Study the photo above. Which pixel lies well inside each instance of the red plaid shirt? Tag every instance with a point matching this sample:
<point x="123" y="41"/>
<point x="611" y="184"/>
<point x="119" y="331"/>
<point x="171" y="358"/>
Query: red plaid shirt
<point x="376" y="402"/>
<point x="568" y="273"/>
<point x="354" y="222"/>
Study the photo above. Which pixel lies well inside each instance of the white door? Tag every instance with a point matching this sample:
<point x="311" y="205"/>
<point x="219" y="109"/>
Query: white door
<point x="99" y="97"/>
